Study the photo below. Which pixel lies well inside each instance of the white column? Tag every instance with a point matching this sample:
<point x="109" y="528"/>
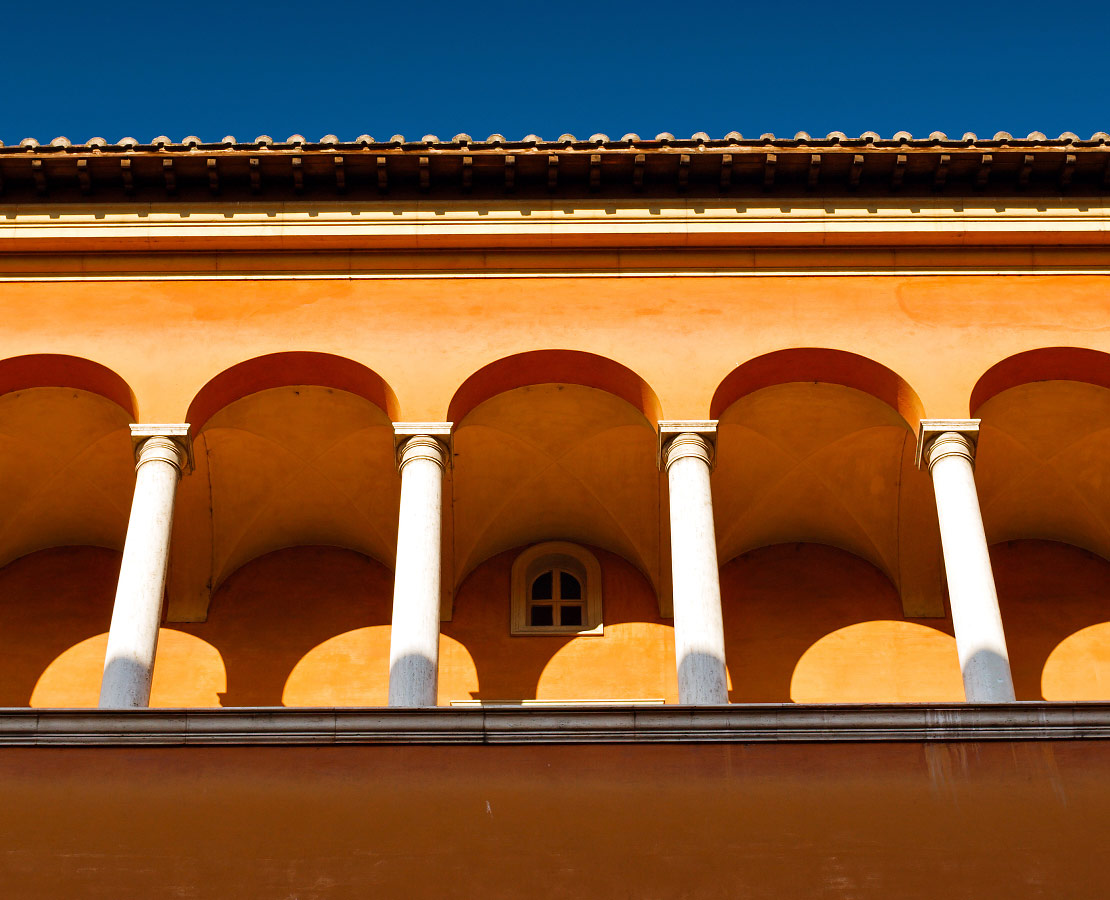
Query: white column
<point x="161" y="456"/>
<point x="948" y="447"/>
<point x="414" y="638"/>
<point x="699" y="635"/>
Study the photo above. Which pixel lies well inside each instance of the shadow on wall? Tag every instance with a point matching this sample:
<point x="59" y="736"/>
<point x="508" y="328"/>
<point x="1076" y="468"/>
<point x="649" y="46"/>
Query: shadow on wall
<point x="308" y="626"/>
<point x="480" y="659"/>
<point x="50" y="602"/>
<point x="811" y="623"/>
<point x="304" y="626"/>
<point x="1055" y="603"/>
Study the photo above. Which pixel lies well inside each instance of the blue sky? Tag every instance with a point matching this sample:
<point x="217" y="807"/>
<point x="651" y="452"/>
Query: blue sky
<point x="112" y="69"/>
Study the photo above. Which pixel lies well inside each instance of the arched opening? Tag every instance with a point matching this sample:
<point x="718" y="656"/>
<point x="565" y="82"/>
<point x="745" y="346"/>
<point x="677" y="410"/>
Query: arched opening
<point x="554" y="367"/>
<point x="290" y="369"/>
<point x="1043" y="460"/>
<point x="51" y="601"/>
<point x="1043" y="364"/>
<point x="1055" y="604"/>
<point x="292" y="449"/>
<point x="66" y="464"/>
<point x="817" y="446"/>
<point x="555" y="445"/>
<point x="480" y="659"/>
<point x="813" y="624"/>
<point x="303" y="626"/>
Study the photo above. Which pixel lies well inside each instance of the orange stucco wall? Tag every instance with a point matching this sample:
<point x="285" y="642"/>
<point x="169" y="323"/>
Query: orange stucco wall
<point x="309" y="626"/>
<point x="280" y="584"/>
<point x="681" y="335"/>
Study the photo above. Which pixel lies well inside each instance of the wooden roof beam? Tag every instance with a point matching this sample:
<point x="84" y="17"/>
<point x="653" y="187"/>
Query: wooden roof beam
<point x="814" y="170"/>
<point x="984" y="174"/>
<point x="899" y="174"/>
<point x="340" y="173"/>
<point x="770" y="161"/>
<point x="39" y="173"/>
<point x="726" y="171"/>
<point x="855" y="171"/>
<point x="1026" y="170"/>
<point x="941" y="174"/>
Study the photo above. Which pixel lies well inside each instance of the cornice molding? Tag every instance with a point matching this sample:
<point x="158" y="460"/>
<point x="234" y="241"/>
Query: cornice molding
<point x="548" y="224"/>
<point x="740" y="724"/>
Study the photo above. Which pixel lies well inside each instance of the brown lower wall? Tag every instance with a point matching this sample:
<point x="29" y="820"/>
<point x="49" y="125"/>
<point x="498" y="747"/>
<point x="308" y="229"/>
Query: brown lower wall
<point x="870" y="820"/>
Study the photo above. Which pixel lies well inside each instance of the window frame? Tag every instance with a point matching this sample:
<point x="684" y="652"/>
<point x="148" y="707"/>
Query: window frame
<point x="556" y="555"/>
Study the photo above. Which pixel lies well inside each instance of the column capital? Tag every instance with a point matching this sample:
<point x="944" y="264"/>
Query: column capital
<point x="669" y="429"/>
<point x="431" y="440"/>
<point x="176" y="434"/>
<point x="931" y="429"/>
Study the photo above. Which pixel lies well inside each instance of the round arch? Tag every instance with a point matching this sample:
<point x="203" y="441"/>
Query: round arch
<point x="1043" y="364"/>
<point x="821" y="365"/>
<point x="815" y="445"/>
<point x="286" y="369"/>
<point x="45" y="370"/>
<point x="1044" y="439"/>
<point x="554" y="367"/>
<point x="555" y="445"/>
<point x="292" y="449"/>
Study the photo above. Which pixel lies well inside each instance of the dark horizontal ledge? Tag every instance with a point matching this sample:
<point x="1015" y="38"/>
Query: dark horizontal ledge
<point x="95" y="176"/>
<point x="763" y="723"/>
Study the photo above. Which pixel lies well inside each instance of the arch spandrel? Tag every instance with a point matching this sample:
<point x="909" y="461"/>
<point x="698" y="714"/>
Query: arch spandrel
<point x="827" y="460"/>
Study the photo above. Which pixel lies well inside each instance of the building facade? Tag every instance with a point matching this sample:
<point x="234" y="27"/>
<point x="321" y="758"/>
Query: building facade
<point x="751" y="496"/>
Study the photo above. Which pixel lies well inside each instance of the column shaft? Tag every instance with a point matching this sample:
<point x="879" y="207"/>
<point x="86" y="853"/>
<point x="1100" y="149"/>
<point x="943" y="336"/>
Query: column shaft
<point x="980" y="641"/>
<point x="698" y="628"/>
<point x="414" y="639"/>
<point x="137" y="613"/>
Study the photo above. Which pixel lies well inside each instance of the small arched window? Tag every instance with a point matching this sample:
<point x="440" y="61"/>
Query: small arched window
<point x="556" y="590"/>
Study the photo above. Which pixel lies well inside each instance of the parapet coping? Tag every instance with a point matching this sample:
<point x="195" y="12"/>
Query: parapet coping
<point x="618" y="724"/>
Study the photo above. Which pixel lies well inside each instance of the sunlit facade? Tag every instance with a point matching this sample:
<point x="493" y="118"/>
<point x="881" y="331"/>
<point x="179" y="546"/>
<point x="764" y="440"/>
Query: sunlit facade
<point x="657" y="452"/>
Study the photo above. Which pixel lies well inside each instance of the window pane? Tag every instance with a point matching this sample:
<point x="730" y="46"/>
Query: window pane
<point x="569" y="588"/>
<point x="570" y="615"/>
<point x="542" y="615"/>
<point x="541" y="587"/>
